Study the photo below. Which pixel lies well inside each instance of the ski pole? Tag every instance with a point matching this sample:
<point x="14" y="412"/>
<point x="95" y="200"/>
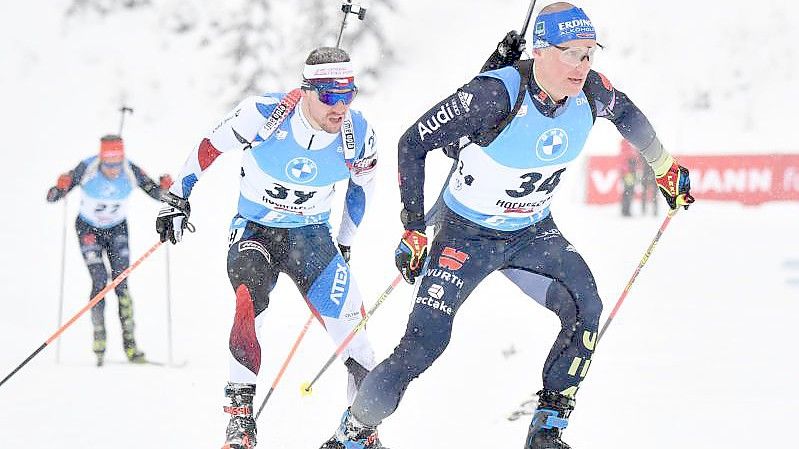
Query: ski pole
<point x="635" y="274"/>
<point x="88" y="306"/>
<point x="123" y="110"/>
<point x="168" y="308"/>
<point x="346" y="8"/>
<point x="61" y="288"/>
<point x="285" y="364"/>
<point x="527" y="18"/>
<point x="306" y="387"/>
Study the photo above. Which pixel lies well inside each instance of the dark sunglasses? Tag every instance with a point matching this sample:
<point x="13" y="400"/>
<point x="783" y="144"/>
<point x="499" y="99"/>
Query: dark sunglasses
<point x="332" y="98"/>
<point x="111" y="165"/>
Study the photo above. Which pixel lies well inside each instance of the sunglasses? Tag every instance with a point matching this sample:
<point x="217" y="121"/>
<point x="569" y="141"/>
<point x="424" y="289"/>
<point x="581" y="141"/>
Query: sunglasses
<point x="332" y="98"/>
<point x="111" y="165"/>
<point x="333" y="91"/>
<point x="574" y="56"/>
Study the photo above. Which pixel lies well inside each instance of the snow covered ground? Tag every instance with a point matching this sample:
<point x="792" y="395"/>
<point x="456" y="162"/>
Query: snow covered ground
<point x="701" y="355"/>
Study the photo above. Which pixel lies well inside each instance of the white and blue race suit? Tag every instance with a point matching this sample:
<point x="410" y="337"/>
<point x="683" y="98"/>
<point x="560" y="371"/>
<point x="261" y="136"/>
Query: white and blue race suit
<point x="282" y="226"/>
<point x="494" y="215"/>
<point x="101" y="226"/>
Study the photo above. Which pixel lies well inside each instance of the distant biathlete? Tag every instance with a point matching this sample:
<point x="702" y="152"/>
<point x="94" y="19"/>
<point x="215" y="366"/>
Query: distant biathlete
<point x="521" y="124"/>
<point x="106" y="180"/>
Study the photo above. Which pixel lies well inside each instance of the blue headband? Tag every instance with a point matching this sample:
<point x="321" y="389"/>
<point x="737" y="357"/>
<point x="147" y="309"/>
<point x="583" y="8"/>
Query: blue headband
<point x="557" y="27"/>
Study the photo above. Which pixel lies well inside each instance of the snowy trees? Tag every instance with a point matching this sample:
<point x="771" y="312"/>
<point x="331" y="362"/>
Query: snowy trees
<point x="261" y="43"/>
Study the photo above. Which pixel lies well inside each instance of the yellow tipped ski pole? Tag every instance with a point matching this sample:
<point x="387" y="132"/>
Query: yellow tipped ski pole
<point x="285" y="364"/>
<point x="306" y="387"/>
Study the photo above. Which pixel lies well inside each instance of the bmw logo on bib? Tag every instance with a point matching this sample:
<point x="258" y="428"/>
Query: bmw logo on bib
<point x="552" y="144"/>
<point x="301" y="170"/>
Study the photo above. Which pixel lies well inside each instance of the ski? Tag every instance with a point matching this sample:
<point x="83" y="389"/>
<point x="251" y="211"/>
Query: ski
<point x="180" y="364"/>
<point x="524" y="409"/>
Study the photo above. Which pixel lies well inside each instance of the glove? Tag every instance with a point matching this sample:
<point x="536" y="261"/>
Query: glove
<point x="63" y="184"/>
<point x="165" y="182"/>
<point x="511" y="47"/>
<point x="345" y="252"/>
<point x="411" y="254"/>
<point x="675" y="186"/>
<point x="64" y="181"/>
<point x="173" y="218"/>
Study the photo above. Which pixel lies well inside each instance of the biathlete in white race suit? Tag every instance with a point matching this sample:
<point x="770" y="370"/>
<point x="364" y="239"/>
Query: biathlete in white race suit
<point x="524" y="123"/>
<point x="288" y="173"/>
<point x="106" y="180"/>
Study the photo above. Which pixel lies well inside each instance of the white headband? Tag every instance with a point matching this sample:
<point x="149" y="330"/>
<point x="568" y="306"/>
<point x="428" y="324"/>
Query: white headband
<point x="328" y="70"/>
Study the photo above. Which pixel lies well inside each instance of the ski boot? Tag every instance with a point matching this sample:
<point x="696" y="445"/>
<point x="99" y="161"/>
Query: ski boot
<point x="240" y="433"/>
<point x="134" y="355"/>
<point x="549" y="419"/>
<point x="99" y="344"/>
<point x="132" y="352"/>
<point x="351" y="434"/>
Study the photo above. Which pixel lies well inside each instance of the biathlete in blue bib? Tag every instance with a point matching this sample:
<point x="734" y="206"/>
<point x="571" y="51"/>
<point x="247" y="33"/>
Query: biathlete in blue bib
<point x="106" y="180"/>
<point x="296" y="146"/>
<point x="520" y="125"/>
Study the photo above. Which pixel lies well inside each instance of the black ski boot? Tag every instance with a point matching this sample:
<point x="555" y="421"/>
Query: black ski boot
<point x="241" y="429"/>
<point x="99" y="343"/>
<point x="351" y="434"/>
<point x="132" y="352"/>
<point x="549" y="419"/>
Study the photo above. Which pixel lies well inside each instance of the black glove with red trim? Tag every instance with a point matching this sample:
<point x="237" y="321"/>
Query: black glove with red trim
<point x="411" y="254"/>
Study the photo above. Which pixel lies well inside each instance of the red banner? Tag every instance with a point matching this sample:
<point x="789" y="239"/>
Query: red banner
<point x="748" y="179"/>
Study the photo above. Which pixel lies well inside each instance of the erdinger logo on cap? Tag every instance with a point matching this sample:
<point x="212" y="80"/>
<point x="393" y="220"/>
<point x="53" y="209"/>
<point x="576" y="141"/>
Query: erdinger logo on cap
<point x="555" y="28"/>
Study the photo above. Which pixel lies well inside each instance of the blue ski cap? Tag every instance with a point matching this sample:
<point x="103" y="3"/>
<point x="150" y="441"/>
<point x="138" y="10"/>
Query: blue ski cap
<point x="555" y="28"/>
